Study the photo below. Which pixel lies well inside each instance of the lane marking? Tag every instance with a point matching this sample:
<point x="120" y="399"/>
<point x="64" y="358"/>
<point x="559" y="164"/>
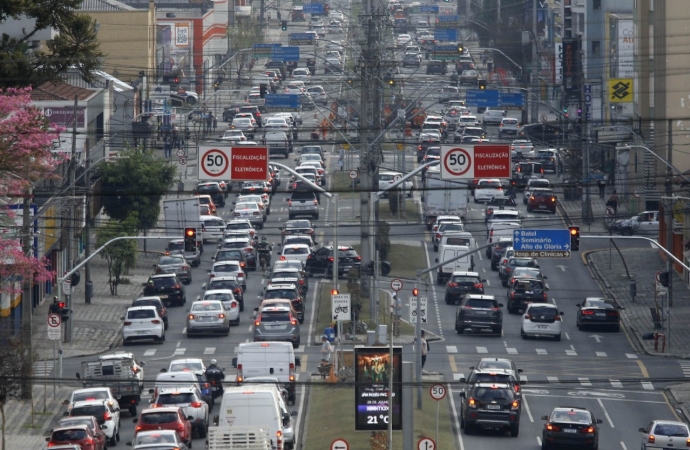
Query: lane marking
<point x="209" y="350"/>
<point x="584" y="381"/>
<point x="482" y="350"/>
<point x="451" y="361"/>
<point x="457" y="422"/>
<point x="616" y="383"/>
<point x="304" y="362"/>
<point x="523" y="379"/>
<point x="313" y="310"/>
<point x="180" y="351"/>
<point x="541" y="351"/>
<point x="643" y="369"/>
<point x="529" y="412"/>
<point x="602" y="354"/>
<point x="606" y="413"/>
<point x="647" y="385"/>
<point x="150" y="352"/>
<point x="451" y="348"/>
<point x="631" y="356"/>
<point x="552" y="379"/>
<point x="512" y="351"/>
<point x="623" y="446"/>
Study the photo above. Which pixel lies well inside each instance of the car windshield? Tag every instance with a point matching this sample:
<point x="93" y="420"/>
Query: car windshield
<point x="464" y="279"/>
<point x="543" y="312"/>
<point x="234" y="244"/>
<point x="479" y="303"/>
<point x="598" y="304"/>
<point x="492" y="393"/>
<point x="170" y="260"/>
<point x="503" y="201"/>
<point x="176" y="398"/>
<point x="540" y="193"/>
<point x="155" y="303"/>
<point x="306" y="241"/>
<point x="176" y="246"/>
<point x="528" y="286"/>
<point x="280" y="293"/>
<point x="226" y="268"/>
<point x="522" y="262"/>
<point x="462" y="241"/>
<point x="219" y="296"/>
<point x="495" y="364"/>
<point x="571" y="416"/>
<point x="140" y="314"/>
<point x="69" y="435"/>
<point x="213" y="223"/>
<point x="489" y="185"/>
<point x="491" y="378"/>
<point x="223" y="284"/>
<point x="238" y="226"/>
<point x="295" y="251"/>
<point x="527" y="271"/>
<point x="89" y="395"/>
<point x="670" y="429"/>
<point x="158" y="418"/>
<point x="275" y="316"/>
<point x="203" y="306"/>
<point x="91" y="410"/>
<point x="229" y="255"/>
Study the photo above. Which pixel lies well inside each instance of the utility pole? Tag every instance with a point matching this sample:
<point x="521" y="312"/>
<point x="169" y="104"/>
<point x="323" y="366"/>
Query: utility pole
<point x="365" y="132"/>
<point x="27" y="306"/>
<point x="70" y="215"/>
<point x="669" y="223"/>
<point x="584" y="143"/>
<point x="535" y="66"/>
<point x="87" y="229"/>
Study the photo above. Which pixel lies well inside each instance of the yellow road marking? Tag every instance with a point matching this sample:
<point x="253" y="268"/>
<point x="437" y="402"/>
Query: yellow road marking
<point x="451" y="360"/>
<point x="643" y="369"/>
<point x="304" y="362"/>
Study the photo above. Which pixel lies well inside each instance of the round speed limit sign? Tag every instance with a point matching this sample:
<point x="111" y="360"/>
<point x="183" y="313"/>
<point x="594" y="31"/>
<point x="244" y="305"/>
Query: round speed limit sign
<point x="214" y="163"/>
<point x="457" y="162"/>
<point x="438" y="392"/>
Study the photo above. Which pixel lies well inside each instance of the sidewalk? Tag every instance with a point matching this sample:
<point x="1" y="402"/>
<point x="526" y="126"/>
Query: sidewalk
<point x="571" y="210"/>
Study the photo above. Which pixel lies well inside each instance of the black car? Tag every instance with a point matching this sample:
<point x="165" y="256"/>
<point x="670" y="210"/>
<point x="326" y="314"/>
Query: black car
<point x="230" y="111"/>
<point x="569" y="426"/>
<point x="423" y="146"/>
<point x="298" y="227"/>
<point x="598" y="312"/>
<point x="153" y="301"/>
<point x="497" y="203"/>
<point x="542" y="132"/>
<point x="227" y="282"/>
<point x="523" y="291"/>
<point x="491" y="405"/>
<point x="213" y="189"/>
<point x="514" y="262"/>
<point x="231" y="254"/>
<point x="321" y="261"/>
<point x="436" y="67"/>
<point x="494" y="376"/>
<point x="498" y="250"/>
<point x="462" y="283"/>
<point x="411" y="60"/>
<point x="166" y="286"/>
<point x="479" y="312"/>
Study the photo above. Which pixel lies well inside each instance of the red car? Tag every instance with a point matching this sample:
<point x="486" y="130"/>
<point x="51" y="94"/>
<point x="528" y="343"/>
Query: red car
<point x="165" y="418"/>
<point x="89" y="421"/>
<point x="542" y="200"/>
<point x="77" y="435"/>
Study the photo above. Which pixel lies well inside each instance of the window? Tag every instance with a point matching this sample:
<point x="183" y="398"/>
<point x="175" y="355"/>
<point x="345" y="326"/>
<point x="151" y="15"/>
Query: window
<point x="596" y="4"/>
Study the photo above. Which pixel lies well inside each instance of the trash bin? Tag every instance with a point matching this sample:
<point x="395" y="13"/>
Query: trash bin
<point x="89" y="291"/>
<point x="330" y="333"/>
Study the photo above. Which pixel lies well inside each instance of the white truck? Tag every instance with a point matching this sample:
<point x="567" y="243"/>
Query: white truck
<point x="238" y="438"/>
<point x="442" y="197"/>
<point x="120" y="375"/>
<point x="182" y="213"/>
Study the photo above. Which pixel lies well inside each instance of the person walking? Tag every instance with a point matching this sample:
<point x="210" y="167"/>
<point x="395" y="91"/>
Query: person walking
<point x="602" y="187"/>
<point x="209" y="122"/>
<point x="167" y="147"/>
<point x="215" y="123"/>
<point x="326" y="350"/>
<point x="613" y="202"/>
<point x="425" y="348"/>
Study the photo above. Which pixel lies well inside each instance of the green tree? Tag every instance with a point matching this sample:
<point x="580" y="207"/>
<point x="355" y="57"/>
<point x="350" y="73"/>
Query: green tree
<point x="76" y="44"/>
<point x="136" y="183"/>
<point x="120" y="255"/>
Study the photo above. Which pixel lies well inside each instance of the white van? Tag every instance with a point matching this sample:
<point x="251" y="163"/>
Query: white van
<point x="462" y="238"/>
<point x="464" y="264"/>
<point x="253" y="406"/>
<point x="498" y="230"/>
<point x="212" y="228"/>
<point x="268" y="359"/>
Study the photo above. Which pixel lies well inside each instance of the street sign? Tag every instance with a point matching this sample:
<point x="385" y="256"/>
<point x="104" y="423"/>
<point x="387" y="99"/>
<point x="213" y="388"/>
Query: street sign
<point x="475" y="161"/>
<point x="67" y="286"/>
<point x="446" y="52"/>
<point x="413" y="309"/>
<point x="428" y="9"/>
<point x="354" y="174"/>
<point x="446" y="18"/>
<point x="438" y="392"/>
<point x="264" y="50"/>
<point x="541" y="243"/>
<point x="54" y="329"/>
<point x="300" y="39"/>
<point x="234" y="163"/>
<point x="489" y="98"/>
<point x="340" y="307"/>
<point x="446" y="34"/>
<point x="340" y="444"/>
<point x="312" y="8"/>
<point x="285" y="101"/>
<point x="396" y="284"/>
<point x="285" y="54"/>
<point x="512" y="99"/>
<point x="426" y="443"/>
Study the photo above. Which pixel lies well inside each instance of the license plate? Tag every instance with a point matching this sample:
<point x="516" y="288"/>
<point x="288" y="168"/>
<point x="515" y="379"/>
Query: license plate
<point x="542" y="206"/>
<point x="142" y="332"/>
<point x="600" y="314"/>
<point x="481" y="312"/>
<point x="542" y="327"/>
<point x="493" y="406"/>
<point x="569" y="430"/>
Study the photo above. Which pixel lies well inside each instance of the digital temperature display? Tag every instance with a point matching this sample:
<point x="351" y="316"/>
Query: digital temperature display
<point x="372" y="375"/>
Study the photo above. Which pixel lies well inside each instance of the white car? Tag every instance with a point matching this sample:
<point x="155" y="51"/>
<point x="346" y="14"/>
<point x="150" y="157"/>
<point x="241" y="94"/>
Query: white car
<point x="234" y="136"/>
<point x="275" y="123"/>
<point x="187" y="364"/>
<point x="229" y="268"/>
<point x="403" y="40"/>
<point x="541" y="320"/>
<point x="293" y="89"/>
<point x="486" y="189"/>
<point x="231" y="305"/>
<point x="504" y="215"/>
<point x="318" y="94"/>
<point x="191" y="402"/>
<point x="314" y="165"/>
<point x="388" y="178"/>
<point x="106" y="411"/>
<point x="212" y="228"/>
<point x="251" y="211"/>
<point x="92" y="393"/>
<point x="532" y="184"/>
<point x="149" y="440"/>
<point x="665" y="434"/>
<point x="522" y="147"/>
<point x="239" y="227"/>
<point x="299" y="252"/>
<point x="142" y="322"/>
<point x="263" y="200"/>
<point x="308" y="157"/>
<point x="302" y="74"/>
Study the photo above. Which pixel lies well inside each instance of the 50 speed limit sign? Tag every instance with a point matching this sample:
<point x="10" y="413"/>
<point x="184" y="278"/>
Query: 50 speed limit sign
<point x="457" y="163"/>
<point x="214" y="163"/>
<point x="475" y="161"/>
<point x="438" y="391"/>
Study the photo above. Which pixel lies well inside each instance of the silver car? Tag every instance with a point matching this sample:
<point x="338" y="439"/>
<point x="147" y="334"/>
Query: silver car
<point x="231" y="305"/>
<point x="177" y="264"/>
<point x="277" y="320"/>
<point x="229" y="268"/>
<point x="208" y="316"/>
<point x="250" y="211"/>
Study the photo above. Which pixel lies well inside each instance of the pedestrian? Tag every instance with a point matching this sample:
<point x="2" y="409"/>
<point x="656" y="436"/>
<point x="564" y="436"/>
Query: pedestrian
<point x="209" y="122"/>
<point x="425" y="348"/>
<point x="279" y="16"/>
<point x="167" y="147"/>
<point x="602" y="187"/>
<point x="613" y="201"/>
<point x="326" y="350"/>
<point x="324" y="129"/>
<point x="175" y="137"/>
<point x="215" y="123"/>
<point x="611" y="171"/>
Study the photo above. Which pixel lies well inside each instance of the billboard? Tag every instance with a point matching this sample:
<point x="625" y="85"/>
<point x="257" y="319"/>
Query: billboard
<point x="625" y="49"/>
<point x="572" y="66"/>
<point x="372" y="374"/>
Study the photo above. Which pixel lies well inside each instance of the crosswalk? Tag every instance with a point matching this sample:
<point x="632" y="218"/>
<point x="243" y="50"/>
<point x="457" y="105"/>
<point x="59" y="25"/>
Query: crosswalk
<point x="453" y="349"/>
<point x="685" y="367"/>
<point x="42" y="369"/>
<point x="535" y="381"/>
<point x="180" y="351"/>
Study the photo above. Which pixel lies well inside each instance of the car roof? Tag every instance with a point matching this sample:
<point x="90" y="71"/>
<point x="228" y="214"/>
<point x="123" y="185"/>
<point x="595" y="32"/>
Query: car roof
<point x="223" y="278"/>
<point x="141" y="308"/>
<point x="175" y="389"/>
<point x="72" y="427"/>
<point x="282" y="286"/>
<point x="481" y="296"/>
<point x="465" y="274"/>
<point x="99" y="402"/>
<point x="162" y="275"/>
<point x="121" y="355"/>
<point x="166" y="409"/>
<point x="492" y="385"/>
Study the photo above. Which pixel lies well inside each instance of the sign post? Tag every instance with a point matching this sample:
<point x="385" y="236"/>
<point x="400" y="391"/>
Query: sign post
<point x="54" y="327"/>
<point x="438" y="393"/>
<point x="426" y="443"/>
<point x="234" y="163"/>
<point x="478" y="161"/>
<point x="541" y="243"/>
<point x="413" y="309"/>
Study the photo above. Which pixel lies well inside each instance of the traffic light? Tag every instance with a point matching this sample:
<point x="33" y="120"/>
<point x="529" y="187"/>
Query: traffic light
<point x="482" y="85"/>
<point x="350" y="81"/>
<point x="391" y="82"/>
<point x="262" y="90"/>
<point x="461" y="48"/>
<point x="190" y="240"/>
<point x="216" y="86"/>
<point x="574" y="239"/>
<point x="283" y="25"/>
<point x="334" y="292"/>
<point x="415" y="292"/>
<point x="176" y="80"/>
<point x="64" y="312"/>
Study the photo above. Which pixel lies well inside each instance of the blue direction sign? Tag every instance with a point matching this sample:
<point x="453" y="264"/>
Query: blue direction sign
<point x="541" y="243"/>
<point x="489" y="98"/>
<point x="512" y="99"/>
<point x="285" y="54"/>
<point x="446" y="34"/>
<point x="445" y="18"/>
<point x="301" y="39"/>
<point x="428" y="9"/>
<point x="284" y="101"/>
<point x="264" y="50"/>
<point x="312" y="8"/>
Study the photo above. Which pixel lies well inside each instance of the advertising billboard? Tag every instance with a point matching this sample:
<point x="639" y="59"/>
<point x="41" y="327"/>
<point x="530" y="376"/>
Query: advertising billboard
<point x="373" y="368"/>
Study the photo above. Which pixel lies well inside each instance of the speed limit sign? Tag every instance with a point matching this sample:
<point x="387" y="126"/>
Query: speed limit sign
<point x="438" y="392"/>
<point x="214" y="163"/>
<point x="457" y="163"/>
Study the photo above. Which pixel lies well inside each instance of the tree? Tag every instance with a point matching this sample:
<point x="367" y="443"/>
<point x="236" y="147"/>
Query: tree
<point x="135" y="184"/>
<point x="120" y="255"/>
<point x="76" y="44"/>
<point x="12" y="356"/>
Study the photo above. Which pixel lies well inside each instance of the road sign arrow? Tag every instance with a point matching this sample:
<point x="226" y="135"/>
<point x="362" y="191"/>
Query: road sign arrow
<point x="597" y="338"/>
<point x="566" y="246"/>
<point x="562" y="268"/>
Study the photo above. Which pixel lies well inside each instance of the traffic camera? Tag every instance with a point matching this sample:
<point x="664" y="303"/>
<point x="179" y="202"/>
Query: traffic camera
<point x="574" y="239"/>
<point x="190" y="240"/>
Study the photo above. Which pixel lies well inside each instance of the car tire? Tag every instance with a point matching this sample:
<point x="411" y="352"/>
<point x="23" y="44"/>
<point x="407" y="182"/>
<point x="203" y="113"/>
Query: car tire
<point x="165" y="326"/>
<point x="498" y="331"/>
<point x="435" y="247"/>
<point x="557" y="338"/>
<point x="545" y="446"/>
<point x="515" y="430"/>
<point x="494" y="267"/>
<point x="316" y="217"/>
<point x="448" y="302"/>
<point x="227" y="332"/>
<point x="469" y="428"/>
<point x="579" y="327"/>
<point x="459" y="330"/>
<point x="617" y="329"/>
<point x="133" y="410"/>
<point x="113" y="440"/>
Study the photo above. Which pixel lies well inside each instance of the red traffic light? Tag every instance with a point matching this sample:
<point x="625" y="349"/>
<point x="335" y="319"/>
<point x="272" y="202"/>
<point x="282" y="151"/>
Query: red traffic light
<point x="61" y="304"/>
<point x="574" y="231"/>
<point x="190" y="232"/>
<point x="415" y="291"/>
<point x="334" y="292"/>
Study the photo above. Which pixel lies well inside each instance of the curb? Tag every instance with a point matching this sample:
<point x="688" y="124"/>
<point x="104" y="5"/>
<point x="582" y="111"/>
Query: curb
<point x="679" y="405"/>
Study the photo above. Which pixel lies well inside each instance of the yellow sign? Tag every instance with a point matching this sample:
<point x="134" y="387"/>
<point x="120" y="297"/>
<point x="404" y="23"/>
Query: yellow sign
<point x="620" y="90"/>
<point x="399" y="145"/>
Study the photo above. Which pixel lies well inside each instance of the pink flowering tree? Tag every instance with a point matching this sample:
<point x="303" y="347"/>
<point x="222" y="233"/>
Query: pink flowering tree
<point x="26" y="158"/>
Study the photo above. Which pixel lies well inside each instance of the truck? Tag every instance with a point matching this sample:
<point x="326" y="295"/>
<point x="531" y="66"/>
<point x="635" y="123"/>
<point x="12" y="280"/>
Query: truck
<point x="120" y="375"/>
<point x="182" y="213"/>
<point x="238" y="438"/>
<point x="442" y="197"/>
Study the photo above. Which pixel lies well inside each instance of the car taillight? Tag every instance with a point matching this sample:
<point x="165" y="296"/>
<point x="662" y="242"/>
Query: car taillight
<point x="242" y="264"/>
<point x="212" y="275"/>
<point x="88" y="441"/>
<point x="195" y="404"/>
<point x="128" y="324"/>
<point x="233" y="305"/>
<point x="292" y="372"/>
<point x="508" y="269"/>
<point x="558" y="318"/>
<point x="177" y="286"/>
<point x="651" y="439"/>
<point x="155" y="321"/>
<point x="552" y="427"/>
<point x="159" y="270"/>
<point x="358" y="258"/>
<point x="316" y="202"/>
<point x="180" y="427"/>
<point x="302" y="281"/>
<point x="330" y="258"/>
<point x="471" y="403"/>
<point x="185" y="267"/>
<point x="438" y="235"/>
<point x="293" y="321"/>
<point x="587" y="430"/>
<point x="138" y="428"/>
<point x="257" y="322"/>
<point x="237" y="290"/>
<point x="191" y="317"/>
<point x="107" y="415"/>
<point x="512" y="294"/>
<point x="553" y="199"/>
<point x="451" y="284"/>
<point x="478" y="286"/>
<point x="156" y="405"/>
<point x="514" y="406"/>
<point x="612" y="313"/>
<point x="587" y="312"/>
<point x="544" y="295"/>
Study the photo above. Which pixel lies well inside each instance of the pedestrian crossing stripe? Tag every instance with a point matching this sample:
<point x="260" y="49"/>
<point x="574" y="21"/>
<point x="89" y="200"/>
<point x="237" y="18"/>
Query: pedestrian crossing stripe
<point x="43" y="368"/>
<point x="453" y="349"/>
<point x="207" y="351"/>
<point x="582" y="381"/>
<point x="150" y="352"/>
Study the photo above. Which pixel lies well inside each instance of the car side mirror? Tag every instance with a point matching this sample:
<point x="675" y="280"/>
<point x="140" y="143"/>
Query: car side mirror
<point x="298" y="361"/>
<point x="600" y="421"/>
<point x="578" y="305"/>
<point x="153" y="265"/>
<point x="164" y="370"/>
<point x="128" y="444"/>
<point x="519" y="370"/>
<point x="472" y="368"/>
<point x="642" y="430"/>
<point x="234" y="363"/>
<point x="203" y="286"/>
<point x="545" y="277"/>
<point x="48" y="439"/>
<point x="463" y="380"/>
<point x="190" y="418"/>
<point x="293" y="413"/>
<point x="122" y="318"/>
<point x="483" y="281"/>
<point x="544" y="417"/>
<point x="66" y="414"/>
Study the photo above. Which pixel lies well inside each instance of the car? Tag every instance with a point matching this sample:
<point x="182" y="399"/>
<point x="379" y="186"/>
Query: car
<point x="491" y="363"/>
<point x="504" y="215"/>
<point x="231" y="254"/>
<point x="142" y="322"/>
<point x="274" y="75"/>
<point x="91" y="393"/>
<point x="319" y="170"/>
<point x="165" y="418"/>
<point x="245" y="245"/>
<point x="598" y="312"/>
<point x="526" y="272"/>
<point x="253" y="99"/>
<point x="167" y="287"/>
<point x="263" y="200"/>
<point x="469" y="77"/>
<point x="91" y="423"/>
<point x="411" y="60"/>
<point x="245" y="123"/>
<point x="288" y="272"/>
<point x="106" y="412"/>
<point x="479" y="312"/>
<point x="507" y="127"/>
<point x="176" y="264"/>
<point x="490" y="405"/>
<point x="486" y="189"/>
<point x="663" y="434"/>
<point x="494" y="376"/>
<point x="428" y="141"/>
<point x="208" y="316"/>
<point x="303" y="203"/>
<point x="229" y="268"/>
<point x="254" y="187"/>
<point x="239" y="227"/>
<point x="226" y="282"/>
<point x="443" y="228"/>
<point x="286" y="291"/>
<point x="318" y="94"/>
<point x="550" y="159"/>
<point x="467" y="132"/>
<point x="293" y="89"/>
<point x="498" y="203"/>
<point x="542" y="132"/>
<point x="297" y="226"/>
<point x="217" y="190"/>
<point x="524" y="291"/>
<point x="302" y="74"/>
<point x="208" y="200"/>
<point x="534" y="183"/>
<point x="524" y="173"/>
<point x="212" y="228"/>
<point x="300" y="252"/>
<point x="644" y="223"/>
<point x="321" y="261"/>
<point x="542" y="320"/>
<point x="255" y="110"/>
<point x="521" y="148"/>
<point x="402" y="40"/>
<point x="508" y="269"/>
<point x="277" y="320"/>
<point x="387" y="178"/>
<point x="434" y="67"/>
<point x="230" y="303"/>
<point x="158" y="440"/>
<point x="301" y="185"/>
<point x="176" y="246"/>
<point x="431" y="154"/>
<point x="310" y="157"/>
<point x="570" y="426"/>
<point x="542" y="200"/>
<point x="281" y="264"/>
<point x="250" y="211"/>
<point x="499" y="232"/>
<point x="461" y="284"/>
<point x="79" y="435"/>
<point x="154" y="301"/>
<point x="191" y="402"/>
